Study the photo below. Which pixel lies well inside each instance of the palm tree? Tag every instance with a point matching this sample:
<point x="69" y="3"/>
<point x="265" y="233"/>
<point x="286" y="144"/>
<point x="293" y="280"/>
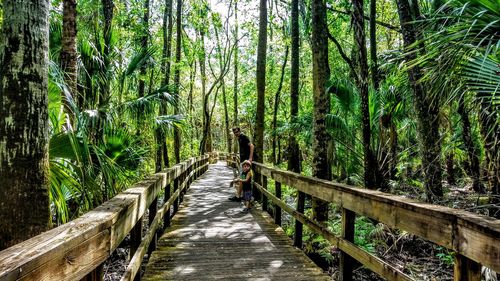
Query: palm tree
<point x="24" y="211"/>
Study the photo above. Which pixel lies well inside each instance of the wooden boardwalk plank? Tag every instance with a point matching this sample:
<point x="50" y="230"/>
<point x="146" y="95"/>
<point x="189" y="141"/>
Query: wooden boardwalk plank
<point x="211" y="239"/>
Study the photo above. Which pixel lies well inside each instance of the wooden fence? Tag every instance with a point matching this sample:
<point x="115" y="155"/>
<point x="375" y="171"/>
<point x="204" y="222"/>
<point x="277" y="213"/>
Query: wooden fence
<point x="78" y="249"/>
<point x="475" y="239"/>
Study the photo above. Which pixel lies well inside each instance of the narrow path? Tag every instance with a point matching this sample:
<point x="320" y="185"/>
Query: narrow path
<point x="211" y="239"/>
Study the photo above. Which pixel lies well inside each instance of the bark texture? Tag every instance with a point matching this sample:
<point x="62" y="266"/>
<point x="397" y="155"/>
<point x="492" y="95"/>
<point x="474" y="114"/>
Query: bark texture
<point x="426" y="109"/>
<point x="24" y="204"/>
<point x="261" y="79"/>
<point x="277" y="159"/>
<point x="321" y="74"/>
<point x="177" y="73"/>
<point x="235" y="91"/>
<point x="68" y="54"/>
<point x="293" y="146"/>
<point x="473" y="168"/>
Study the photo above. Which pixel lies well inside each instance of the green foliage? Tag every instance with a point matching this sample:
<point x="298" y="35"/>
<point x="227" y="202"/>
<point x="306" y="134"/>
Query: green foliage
<point x="445" y="256"/>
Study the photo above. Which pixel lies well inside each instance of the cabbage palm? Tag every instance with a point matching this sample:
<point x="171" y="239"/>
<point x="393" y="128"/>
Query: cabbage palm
<point x="464" y="50"/>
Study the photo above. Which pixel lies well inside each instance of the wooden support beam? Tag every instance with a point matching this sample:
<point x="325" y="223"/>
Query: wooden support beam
<point x="176" y="202"/>
<point x="166" y="218"/>
<point x="466" y="269"/>
<point x="346" y="262"/>
<point x="301" y="199"/>
<point x="264" y="198"/>
<point x="95" y="275"/>
<point x="277" y="209"/>
<point x="153" y="208"/>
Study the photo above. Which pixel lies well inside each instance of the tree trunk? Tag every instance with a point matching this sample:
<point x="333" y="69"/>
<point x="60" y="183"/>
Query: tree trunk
<point x="107" y="9"/>
<point x="235" y="93"/>
<point x="205" y="144"/>
<point x="177" y="135"/>
<point x="276" y="106"/>
<point x="162" y="149"/>
<point x="105" y="69"/>
<point x="261" y="79"/>
<point x="372" y="177"/>
<point x="489" y="124"/>
<point x="426" y="109"/>
<point x="373" y="44"/>
<point x="321" y="74"/>
<point x="224" y="100"/>
<point x="450" y="168"/>
<point x="192" y="74"/>
<point x="68" y="52"/>
<point x="167" y="41"/>
<point x="293" y="146"/>
<point x="144" y="46"/>
<point x="24" y="208"/>
<point x="474" y="169"/>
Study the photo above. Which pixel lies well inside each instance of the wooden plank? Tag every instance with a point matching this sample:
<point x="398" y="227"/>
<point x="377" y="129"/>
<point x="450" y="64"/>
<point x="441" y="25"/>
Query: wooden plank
<point x="74" y="263"/>
<point x="444" y="226"/>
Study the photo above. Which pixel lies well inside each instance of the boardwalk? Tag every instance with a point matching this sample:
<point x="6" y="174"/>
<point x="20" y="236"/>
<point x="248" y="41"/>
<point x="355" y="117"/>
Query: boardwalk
<point x="211" y="239"/>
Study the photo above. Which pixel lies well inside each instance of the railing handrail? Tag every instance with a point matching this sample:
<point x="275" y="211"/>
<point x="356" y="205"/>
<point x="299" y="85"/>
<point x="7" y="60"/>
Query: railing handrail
<point x="470" y="235"/>
<point x="73" y="250"/>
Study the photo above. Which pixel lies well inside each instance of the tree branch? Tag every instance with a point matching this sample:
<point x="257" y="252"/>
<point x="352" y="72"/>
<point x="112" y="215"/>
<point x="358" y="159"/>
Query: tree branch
<point x="348" y="13"/>
<point x="341" y="51"/>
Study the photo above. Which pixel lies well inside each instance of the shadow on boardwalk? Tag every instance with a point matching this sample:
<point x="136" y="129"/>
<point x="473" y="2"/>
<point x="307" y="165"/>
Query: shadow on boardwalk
<point x="211" y="239"/>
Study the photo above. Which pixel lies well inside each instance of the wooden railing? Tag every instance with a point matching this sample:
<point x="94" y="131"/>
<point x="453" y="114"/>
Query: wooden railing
<point x="78" y="249"/>
<point x="475" y="239"/>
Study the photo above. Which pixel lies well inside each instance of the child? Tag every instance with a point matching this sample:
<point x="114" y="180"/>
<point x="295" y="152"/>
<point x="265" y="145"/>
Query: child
<point x="245" y="185"/>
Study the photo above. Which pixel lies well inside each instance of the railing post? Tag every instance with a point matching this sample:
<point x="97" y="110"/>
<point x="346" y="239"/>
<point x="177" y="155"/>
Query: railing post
<point x="135" y="241"/>
<point x="301" y="198"/>
<point x="466" y="269"/>
<point x="166" y="217"/>
<point x="153" y="208"/>
<point x="277" y="209"/>
<point x="176" y="201"/>
<point x="346" y="262"/>
<point x="95" y="275"/>
<point x="264" y="198"/>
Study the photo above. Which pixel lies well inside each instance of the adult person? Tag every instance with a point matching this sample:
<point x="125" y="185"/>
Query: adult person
<point x="246" y="148"/>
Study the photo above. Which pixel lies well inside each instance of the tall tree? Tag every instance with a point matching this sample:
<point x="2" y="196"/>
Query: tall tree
<point x="373" y="44"/>
<point x="261" y="79"/>
<point x="24" y="209"/>
<point x="235" y="86"/>
<point x="107" y="9"/>
<point x="276" y="158"/>
<point x="426" y="108"/>
<point x="372" y="176"/>
<point x="144" y="36"/>
<point x="293" y="146"/>
<point x="177" y="73"/>
<point x="68" y="50"/>
<point x="321" y="74"/>
<point x="223" y="86"/>
<point x="473" y="166"/>
<point x="162" y="149"/>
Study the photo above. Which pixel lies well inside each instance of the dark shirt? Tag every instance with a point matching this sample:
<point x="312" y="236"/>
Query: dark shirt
<point x="244" y="142"/>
